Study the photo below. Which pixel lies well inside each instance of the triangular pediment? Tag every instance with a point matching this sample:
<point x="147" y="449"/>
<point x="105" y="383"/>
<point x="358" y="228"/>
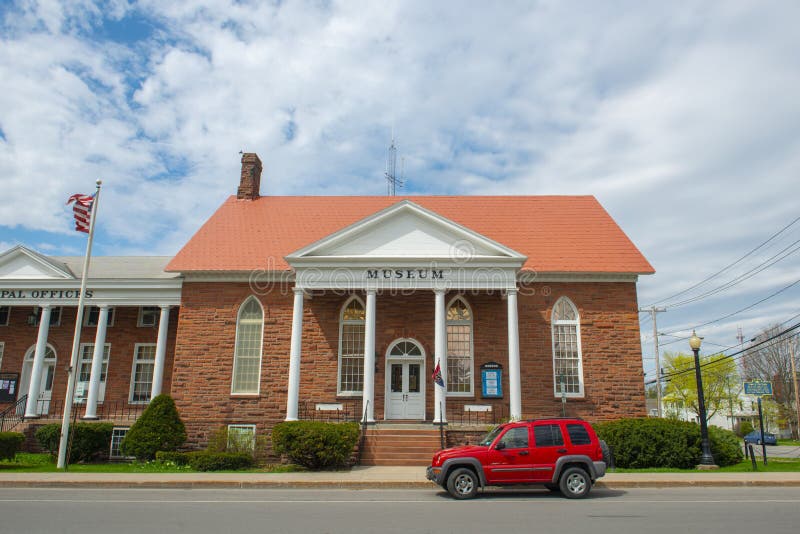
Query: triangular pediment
<point x="22" y="263"/>
<point x="406" y="231"/>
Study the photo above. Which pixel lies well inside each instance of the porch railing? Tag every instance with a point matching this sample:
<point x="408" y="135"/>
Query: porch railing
<point x="53" y="410"/>
<point x="333" y="412"/>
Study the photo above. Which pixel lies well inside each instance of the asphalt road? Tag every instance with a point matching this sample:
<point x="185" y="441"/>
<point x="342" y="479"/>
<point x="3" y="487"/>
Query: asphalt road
<point x="668" y="510"/>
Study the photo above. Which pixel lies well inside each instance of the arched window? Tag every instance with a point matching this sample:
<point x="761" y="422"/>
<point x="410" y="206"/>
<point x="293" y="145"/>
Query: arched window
<point x="249" y="343"/>
<point x="567" y="358"/>
<point x="351" y="347"/>
<point x="459" y="348"/>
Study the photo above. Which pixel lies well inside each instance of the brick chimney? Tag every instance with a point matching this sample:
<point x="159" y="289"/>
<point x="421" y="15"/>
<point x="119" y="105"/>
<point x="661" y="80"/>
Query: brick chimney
<point x="250" y="183"/>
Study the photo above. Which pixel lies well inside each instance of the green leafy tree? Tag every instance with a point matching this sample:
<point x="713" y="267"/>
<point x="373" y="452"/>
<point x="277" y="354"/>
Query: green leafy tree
<point x="720" y="383"/>
<point x="159" y="428"/>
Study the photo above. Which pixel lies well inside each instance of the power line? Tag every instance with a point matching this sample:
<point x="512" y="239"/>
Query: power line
<point x="734" y="356"/>
<point x="724" y="269"/>
<point x="742" y="277"/>
<point x="775" y="294"/>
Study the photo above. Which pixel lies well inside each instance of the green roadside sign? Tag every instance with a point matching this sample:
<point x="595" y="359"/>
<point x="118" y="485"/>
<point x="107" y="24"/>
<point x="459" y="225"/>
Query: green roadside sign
<point x="758" y="387"/>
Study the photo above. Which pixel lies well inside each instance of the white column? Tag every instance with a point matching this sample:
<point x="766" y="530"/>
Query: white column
<point x="514" y="381"/>
<point x="161" y="352"/>
<point x="38" y="364"/>
<point x="368" y="398"/>
<point x="440" y="357"/>
<point x="293" y="396"/>
<point x="97" y="364"/>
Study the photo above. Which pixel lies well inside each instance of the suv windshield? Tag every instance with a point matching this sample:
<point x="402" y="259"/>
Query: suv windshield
<point x="489" y="438"/>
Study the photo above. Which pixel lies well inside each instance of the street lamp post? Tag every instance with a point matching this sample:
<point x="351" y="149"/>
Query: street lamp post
<point x="706" y="459"/>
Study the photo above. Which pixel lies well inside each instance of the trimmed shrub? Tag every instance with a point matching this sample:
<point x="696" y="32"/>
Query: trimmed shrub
<point x="208" y="461"/>
<point x="725" y="446"/>
<point x="652" y="442"/>
<point x="315" y="445"/>
<point x="89" y="440"/>
<point x="10" y="444"/>
<point x="220" y="461"/>
<point x="159" y="428"/>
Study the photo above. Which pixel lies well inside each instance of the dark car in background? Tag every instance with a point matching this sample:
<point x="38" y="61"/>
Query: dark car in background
<point x="755" y="437"/>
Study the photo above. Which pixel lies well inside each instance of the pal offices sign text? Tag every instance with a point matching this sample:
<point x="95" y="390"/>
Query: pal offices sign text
<point x="52" y="294"/>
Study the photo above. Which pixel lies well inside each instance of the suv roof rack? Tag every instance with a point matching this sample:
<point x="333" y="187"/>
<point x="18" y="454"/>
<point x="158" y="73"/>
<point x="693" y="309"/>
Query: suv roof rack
<point x="553" y="419"/>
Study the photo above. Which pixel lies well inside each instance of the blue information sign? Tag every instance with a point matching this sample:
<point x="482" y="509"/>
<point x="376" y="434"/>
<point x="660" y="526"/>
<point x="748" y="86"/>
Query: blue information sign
<point x="491" y="380"/>
<point x="758" y="388"/>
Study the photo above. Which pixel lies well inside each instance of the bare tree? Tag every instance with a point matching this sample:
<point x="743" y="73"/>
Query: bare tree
<point x="772" y="362"/>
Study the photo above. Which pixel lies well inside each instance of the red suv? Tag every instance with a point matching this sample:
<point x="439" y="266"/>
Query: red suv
<point x="561" y="454"/>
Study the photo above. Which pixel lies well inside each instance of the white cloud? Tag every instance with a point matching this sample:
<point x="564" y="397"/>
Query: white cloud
<point x="681" y="120"/>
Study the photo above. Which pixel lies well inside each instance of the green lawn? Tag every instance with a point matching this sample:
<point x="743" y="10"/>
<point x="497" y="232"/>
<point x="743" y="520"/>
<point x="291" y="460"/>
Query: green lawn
<point x="44" y="463"/>
<point x="773" y="464"/>
<point x="789" y="442"/>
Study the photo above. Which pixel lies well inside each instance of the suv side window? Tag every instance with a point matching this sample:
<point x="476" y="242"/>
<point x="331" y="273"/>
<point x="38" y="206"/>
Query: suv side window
<point x="548" y="435"/>
<point x="516" y="438"/>
<point x="578" y="435"/>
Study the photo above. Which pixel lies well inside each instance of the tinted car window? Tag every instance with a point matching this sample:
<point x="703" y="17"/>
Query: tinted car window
<point x="516" y="438"/>
<point x="578" y="435"/>
<point x="548" y="435"/>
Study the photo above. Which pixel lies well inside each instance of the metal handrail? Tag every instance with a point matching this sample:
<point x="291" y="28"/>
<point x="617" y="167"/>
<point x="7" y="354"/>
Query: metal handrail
<point x="441" y="426"/>
<point x="10" y="417"/>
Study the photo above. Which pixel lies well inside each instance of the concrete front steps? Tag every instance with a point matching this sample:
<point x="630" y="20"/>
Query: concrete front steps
<point x="400" y="444"/>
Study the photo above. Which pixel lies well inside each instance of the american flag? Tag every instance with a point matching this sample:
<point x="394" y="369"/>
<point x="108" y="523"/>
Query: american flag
<point x="437" y="375"/>
<point x="82" y="210"/>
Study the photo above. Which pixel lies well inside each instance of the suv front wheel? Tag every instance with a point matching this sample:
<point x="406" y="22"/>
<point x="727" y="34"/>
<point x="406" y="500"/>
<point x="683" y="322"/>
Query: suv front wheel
<point x="575" y="483"/>
<point x="462" y="483"/>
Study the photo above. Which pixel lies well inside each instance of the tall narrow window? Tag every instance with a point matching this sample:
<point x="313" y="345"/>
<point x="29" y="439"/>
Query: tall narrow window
<point x="459" y="348"/>
<point x="5" y="312"/>
<point x="85" y="372"/>
<point x="351" y="347"/>
<point x="144" y="360"/>
<point x="249" y="343"/>
<point x="567" y="365"/>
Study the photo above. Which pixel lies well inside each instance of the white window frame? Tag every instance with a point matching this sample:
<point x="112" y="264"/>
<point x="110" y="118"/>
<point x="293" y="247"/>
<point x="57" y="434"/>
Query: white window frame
<point x="471" y="324"/>
<point x="342" y="322"/>
<point x="8" y="315"/>
<point x="101" y="394"/>
<point x="136" y="348"/>
<point x="234" y="367"/>
<point x="567" y="322"/>
<point x="250" y="427"/>
<point x="55" y="311"/>
<point x="2" y="349"/>
<point x="140" y="319"/>
<point x="115" y="436"/>
<point x="87" y="315"/>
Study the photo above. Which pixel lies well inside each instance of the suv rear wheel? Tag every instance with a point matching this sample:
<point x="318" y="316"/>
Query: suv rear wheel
<point x="575" y="483"/>
<point x="462" y="483"/>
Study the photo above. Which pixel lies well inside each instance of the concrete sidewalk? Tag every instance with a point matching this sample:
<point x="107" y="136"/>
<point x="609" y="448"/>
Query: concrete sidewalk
<point x="363" y="477"/>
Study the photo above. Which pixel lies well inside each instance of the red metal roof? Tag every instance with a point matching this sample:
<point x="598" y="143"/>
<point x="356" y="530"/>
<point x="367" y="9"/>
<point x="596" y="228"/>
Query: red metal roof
<point x="558" y="234"/>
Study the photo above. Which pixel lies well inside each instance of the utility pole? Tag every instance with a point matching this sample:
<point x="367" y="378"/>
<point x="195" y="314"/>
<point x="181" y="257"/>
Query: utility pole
<point x="794" y="379"/>
<point x="653" y="311"/>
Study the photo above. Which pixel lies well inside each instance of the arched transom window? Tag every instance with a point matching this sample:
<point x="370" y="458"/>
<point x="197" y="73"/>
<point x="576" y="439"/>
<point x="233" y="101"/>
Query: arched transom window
<point x="459" y="348"/>
<point x="351" y="347"/>
<point x="567" y="364"/>
<point x="249" y="343"/>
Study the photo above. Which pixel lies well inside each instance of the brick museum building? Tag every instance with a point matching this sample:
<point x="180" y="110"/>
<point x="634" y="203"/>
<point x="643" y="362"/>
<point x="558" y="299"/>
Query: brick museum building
<point x="307" y="307"/>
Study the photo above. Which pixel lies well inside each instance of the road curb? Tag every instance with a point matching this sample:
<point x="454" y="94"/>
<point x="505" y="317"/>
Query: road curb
<point x="229" y="484"/>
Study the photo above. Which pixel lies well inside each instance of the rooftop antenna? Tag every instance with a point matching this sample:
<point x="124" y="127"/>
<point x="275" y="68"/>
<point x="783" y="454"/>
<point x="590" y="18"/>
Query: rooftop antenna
<point x="392" y="180"/>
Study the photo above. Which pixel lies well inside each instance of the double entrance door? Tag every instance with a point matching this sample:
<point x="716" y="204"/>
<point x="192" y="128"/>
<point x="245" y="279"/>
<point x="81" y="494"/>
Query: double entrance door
<point x="405" y="382"/>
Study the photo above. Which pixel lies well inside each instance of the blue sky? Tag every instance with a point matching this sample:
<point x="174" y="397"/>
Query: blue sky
<point x="681" y="118"/>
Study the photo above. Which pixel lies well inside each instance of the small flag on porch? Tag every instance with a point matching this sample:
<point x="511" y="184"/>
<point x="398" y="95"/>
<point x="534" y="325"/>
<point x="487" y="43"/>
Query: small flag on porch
<point x="82" y="210"/>
<point x="437" y="375"/>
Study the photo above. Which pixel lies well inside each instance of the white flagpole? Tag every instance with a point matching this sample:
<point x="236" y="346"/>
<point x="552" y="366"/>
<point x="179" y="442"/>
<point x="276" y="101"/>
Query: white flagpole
<point x="76" y="341"/>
